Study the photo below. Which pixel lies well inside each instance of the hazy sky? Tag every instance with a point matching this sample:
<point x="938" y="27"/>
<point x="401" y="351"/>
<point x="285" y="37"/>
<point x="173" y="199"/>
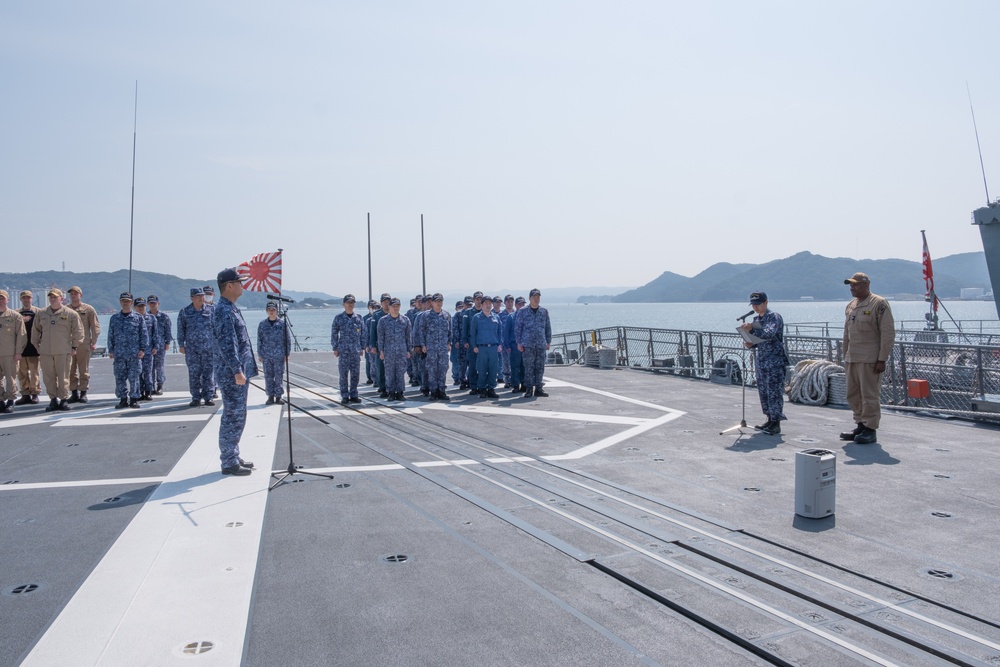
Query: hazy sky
<point x="546" y="143"/>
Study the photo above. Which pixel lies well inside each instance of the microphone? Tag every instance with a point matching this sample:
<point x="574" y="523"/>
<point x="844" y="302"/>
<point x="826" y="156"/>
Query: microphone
<point x="742" y="317"/>
<point x="276" y="297"/>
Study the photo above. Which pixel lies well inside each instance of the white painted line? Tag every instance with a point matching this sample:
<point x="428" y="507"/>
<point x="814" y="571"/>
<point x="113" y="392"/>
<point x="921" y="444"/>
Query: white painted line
<point x="78" y="413"/>
<point x="553" y="382"/>
<point x="82" y="482"/>
<point x="127" y="421"/>
<point x="177" y="574"/>
<point x="615" y="439"/>
<point x="539" y="414"/>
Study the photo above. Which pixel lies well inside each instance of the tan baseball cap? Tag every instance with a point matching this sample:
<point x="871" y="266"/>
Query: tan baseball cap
<point x="25" y="293"/>
<point x="857" y="278"/>
<point x="76" y="289"/>
<point x="4" y="294"/>
<point x="55" y="291"/>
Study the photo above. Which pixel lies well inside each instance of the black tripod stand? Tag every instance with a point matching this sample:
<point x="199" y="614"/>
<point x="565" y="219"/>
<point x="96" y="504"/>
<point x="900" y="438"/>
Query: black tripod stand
<point x="280" y="476"/>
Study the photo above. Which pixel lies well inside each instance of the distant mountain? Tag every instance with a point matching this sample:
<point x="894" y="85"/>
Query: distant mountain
<point x="806" y="274"/>
<point x="102" y="289"/>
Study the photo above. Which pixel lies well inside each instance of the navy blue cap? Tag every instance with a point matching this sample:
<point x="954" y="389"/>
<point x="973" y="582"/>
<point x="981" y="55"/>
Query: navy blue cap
<point x="152" y="298"/>
<point x="437" y="296"/>
<point x="140" y="301"/>
<point x="509" y="297"/>
<point x="211" y="290"/>
<point x="519" y="299"/>
<point x="125" y="296"/>
<point x="413" y="302"/>
<point x="225" y="276"/>
<point x="477" y="295"/>
<point x="197" y="291"/>
<point x="349" y="298"/>
<point x="271" y="306"/>
<point x="393" y="301"/>
<point x="758" y="298"/>
<point x="373" y="304"/>
<point x="534" y="292"/>
<point x="385" y="296"/>
<point x="469" y="301"/>
<point x="428" y="298"/>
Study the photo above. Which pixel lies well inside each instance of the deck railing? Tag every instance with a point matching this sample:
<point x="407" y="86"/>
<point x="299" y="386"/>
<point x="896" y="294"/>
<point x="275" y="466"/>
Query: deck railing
<point x="963" y="376"/>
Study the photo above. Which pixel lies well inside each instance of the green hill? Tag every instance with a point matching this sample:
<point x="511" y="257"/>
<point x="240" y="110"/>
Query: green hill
<point x="806" y="274"/>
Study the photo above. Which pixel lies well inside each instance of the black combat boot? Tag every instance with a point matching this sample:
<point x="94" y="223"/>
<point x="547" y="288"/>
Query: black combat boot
<point x="83" y="396"/>
<point x="53" y="405"/>
<point x="491" y="393"/>
<point x="24" y="400"/>
<point x="539" y="392"/>
<point x="159" y="389"/>
<point x="763" y="427"/>
<point x="74" y="397"/>
<point x="850" y="435"/>
<point x="866" y="437"/>
<point x="8" y="406"/>
<point x="122" y="404"/>
<point x="773" y="428"/>
<point x="134" y="403"/>
<point x="62" y="405"/>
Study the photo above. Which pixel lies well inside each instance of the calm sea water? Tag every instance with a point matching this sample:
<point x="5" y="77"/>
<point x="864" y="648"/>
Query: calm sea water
<point x="312" y="327"/>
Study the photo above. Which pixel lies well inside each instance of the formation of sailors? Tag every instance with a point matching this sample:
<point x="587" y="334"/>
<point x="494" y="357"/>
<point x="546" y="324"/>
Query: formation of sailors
<point x="485" y="341"/>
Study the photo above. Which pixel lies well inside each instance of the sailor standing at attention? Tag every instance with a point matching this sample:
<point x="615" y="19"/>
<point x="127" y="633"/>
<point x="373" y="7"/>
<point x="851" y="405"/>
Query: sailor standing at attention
<point x="163" y="328"/>
<point x="155" y="341"/>
<point x="510" y="344"/>
<point x="435" y="335"/>
<point x="869" y="334"/>
<point x="487" y="338"/>
<point x="273" y="346"/>
<point x="128" y="340"/>
<point x="57" y="334"/>
<point x="456" y="320"/>
<point x="194" y="339"/>
<point x="210" y="305"/>
<point x="534" y="336"/>
<point x="13" y="338"/>
<point x="347" y="338"/>
<point x="770" y="362"/>
<point x="234" y="363"/>
<point x="382" y="311"/>
<point x="394" y="335"/>
<point x="27" y="368"/>
<point x="79" y="369"/>
<point x="369" y="357"/>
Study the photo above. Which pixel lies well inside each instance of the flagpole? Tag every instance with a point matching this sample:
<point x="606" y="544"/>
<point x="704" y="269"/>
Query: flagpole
<point x="131" y="221"/>
<point x="932" y="317"/>
<point x="369" y="256"/>
<point x="423" y="262"/>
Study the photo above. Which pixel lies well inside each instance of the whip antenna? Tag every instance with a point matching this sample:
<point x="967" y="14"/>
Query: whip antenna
<point x="978" y="147"/>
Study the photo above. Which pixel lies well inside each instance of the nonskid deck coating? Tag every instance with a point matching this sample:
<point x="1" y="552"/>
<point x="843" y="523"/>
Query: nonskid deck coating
<point x="609" y="422"/>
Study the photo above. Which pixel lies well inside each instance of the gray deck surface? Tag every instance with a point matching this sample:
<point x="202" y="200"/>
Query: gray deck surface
<point x="671" y="544"/>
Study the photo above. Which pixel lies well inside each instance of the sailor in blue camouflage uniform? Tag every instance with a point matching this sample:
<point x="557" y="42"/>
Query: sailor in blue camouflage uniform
<point x="504" y="311"/>
<point x="533" y="332"/>
<point x="435" y="333"/>
<point x="510" y="345"/>
<point x="235" y="364"/>
<point x="194" y="339"/>
<point x="128" y="338"/>
<point x="210" y="304"/>
<point x="487" y="342"/>
<point x="411" y="371"/>
<point x="347" y="338"/>
<point x="274" y="342"/>
<point x="382" y="311"/>
<point x="770" y="361"/>
<point x="456" y="372"/>
<point x="369" y="356"/>
<point x="470" y="352"/>
<point x="419" y="355"/>
<point x="458" y="340"/>
<point x="146" y="385"/>
<point x="395" y="335"/>
<point x="165" y="328"/>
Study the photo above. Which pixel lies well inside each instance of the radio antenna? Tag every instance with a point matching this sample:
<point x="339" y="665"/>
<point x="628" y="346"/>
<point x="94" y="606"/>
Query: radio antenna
<point x="978" y="147"/>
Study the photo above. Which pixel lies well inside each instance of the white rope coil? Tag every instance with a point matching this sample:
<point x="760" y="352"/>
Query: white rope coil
<point x="811" y="380"/>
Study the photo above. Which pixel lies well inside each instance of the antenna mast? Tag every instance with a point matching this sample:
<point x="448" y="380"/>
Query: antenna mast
<point x="978" y="147"/>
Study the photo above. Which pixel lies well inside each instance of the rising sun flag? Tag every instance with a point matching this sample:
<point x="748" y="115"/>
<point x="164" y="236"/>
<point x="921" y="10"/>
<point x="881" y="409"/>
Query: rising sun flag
<point x="262" y="273"/>
<point x="929" y="273"/>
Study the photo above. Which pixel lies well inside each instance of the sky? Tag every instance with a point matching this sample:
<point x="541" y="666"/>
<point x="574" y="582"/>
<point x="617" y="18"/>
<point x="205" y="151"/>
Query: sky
<point x="546" y="143"/>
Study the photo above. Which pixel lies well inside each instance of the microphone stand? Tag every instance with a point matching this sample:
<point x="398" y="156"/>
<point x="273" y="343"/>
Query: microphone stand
<point x="743" y="381"/>
<point x="280" y="476"/>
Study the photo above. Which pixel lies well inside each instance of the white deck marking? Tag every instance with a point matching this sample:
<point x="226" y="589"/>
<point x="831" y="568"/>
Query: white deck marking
<point x="138" y="419"/>
<point x="84" y="411"/>
<point x="177" y="574"/>
<point x="539" y="414"/>
<point x="81" y="482"/>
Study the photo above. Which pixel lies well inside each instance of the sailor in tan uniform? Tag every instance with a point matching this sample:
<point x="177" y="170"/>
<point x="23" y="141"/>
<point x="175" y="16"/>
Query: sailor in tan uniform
<point x="27" y="368"/>
<point x="13" y="338"/>
<point x="869" y="334"/>
<point x="57" y="334"/>
<point x="79" y="368"/>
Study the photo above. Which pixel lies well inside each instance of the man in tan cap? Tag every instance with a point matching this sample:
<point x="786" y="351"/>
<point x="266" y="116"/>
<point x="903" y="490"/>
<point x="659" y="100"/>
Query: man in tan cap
<point x="57" y="334"/>
<point x="27" y="368"/>
<point x="869" y="334"/>
<point x="13" y="338"/>
<point x="79" y="369"/>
